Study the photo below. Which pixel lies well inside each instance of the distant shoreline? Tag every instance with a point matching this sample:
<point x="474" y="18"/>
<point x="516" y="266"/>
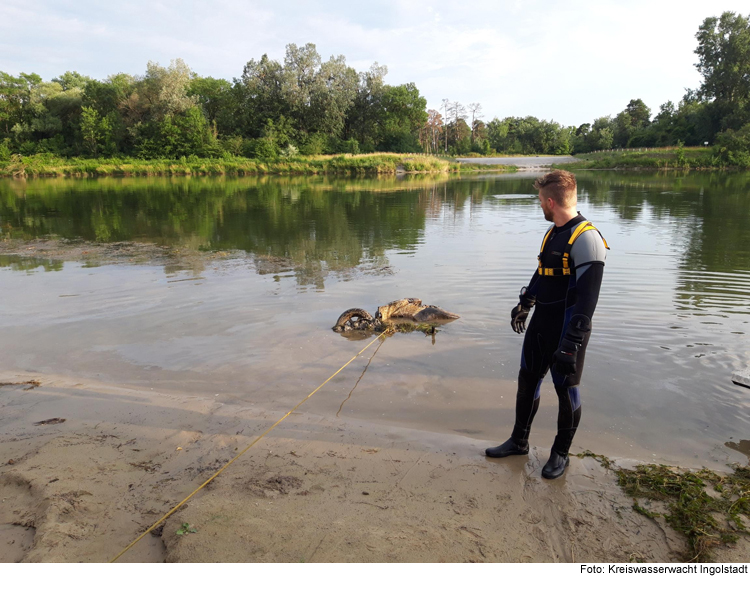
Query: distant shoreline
<point x="676" y="158"/>
<point x="46" y="165"/>
<point x="522" y="162"/>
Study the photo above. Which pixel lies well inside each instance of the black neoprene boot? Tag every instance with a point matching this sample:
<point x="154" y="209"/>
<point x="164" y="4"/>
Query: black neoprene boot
<point x="555" y="466"/>
<point x="509" y="448"/>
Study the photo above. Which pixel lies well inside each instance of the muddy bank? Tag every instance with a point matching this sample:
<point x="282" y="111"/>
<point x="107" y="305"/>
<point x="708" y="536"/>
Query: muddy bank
<point x="315" y="490"/>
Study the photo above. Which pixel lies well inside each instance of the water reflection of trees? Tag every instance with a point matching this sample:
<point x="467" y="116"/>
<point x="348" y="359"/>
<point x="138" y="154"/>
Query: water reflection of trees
<point x="29" y="264"/>
<point x="313" y="226"/>
<point x="709" y="216"/>
<point x="309" y="226"/>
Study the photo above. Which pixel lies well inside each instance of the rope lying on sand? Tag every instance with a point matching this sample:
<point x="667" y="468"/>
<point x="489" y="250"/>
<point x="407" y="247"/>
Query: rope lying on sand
<point x="225" y="466"/>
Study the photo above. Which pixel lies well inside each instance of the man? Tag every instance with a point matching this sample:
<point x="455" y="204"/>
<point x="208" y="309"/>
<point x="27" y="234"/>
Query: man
<point x="565" y="290"/>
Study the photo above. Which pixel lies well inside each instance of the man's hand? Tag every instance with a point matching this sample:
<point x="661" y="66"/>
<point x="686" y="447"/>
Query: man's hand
<point x="518" y="316"/>
<point x="520" y="313"/>
<point x="565" y="358"/>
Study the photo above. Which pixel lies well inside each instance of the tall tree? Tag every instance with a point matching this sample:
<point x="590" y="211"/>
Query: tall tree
<point x="476" y="112"/>
<point x="724" y="62"/>
<point x="217" y="99"/>
<point x="432" y="130"/>
<point x="458" y="112"/>
<point x="261" y="94"/>
<point x="445" y="105"/>
<point x="70" y="80"/>
<point x="363" y="120"/>
<point x="333" y="92"/>
<point x="15" y="97"/>
<point x="403" y="115"/>
<point x="301" y="69"/>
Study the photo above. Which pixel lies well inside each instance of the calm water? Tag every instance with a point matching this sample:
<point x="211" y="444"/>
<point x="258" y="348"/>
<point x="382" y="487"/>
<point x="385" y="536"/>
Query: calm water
<point x="240" y="307"/>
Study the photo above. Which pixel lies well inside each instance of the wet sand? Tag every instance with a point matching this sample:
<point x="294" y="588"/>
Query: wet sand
<point x="314" y="490"/>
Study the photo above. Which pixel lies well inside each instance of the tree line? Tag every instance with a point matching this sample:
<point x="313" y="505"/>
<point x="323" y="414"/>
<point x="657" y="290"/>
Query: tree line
<point x="717" y="113"/>
<point x="304" y="105"/>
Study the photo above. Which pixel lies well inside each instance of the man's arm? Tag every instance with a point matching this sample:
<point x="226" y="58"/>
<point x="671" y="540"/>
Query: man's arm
<point x="588" y="285"/>
<point x="588" y="259"/>
<point x="531" y="289"/>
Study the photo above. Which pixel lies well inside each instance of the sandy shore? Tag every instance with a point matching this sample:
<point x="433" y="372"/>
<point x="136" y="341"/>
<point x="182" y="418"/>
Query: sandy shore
<point x="311" y="491"/>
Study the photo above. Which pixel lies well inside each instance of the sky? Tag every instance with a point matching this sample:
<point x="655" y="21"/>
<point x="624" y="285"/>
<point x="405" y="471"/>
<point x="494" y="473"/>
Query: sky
<point x="569" y="61"/>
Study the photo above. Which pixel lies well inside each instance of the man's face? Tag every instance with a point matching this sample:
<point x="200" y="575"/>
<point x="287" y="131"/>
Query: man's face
<point x="543" y="201"/>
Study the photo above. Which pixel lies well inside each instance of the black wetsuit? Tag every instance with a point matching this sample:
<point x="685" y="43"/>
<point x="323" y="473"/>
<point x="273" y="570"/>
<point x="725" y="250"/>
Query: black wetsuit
<point x="564" y="306"/>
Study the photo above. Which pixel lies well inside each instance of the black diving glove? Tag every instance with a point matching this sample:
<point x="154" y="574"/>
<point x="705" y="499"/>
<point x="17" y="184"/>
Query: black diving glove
<point x="518" y="316"/>
<point x="565" y="358"/>
<point x="520" y="313"/>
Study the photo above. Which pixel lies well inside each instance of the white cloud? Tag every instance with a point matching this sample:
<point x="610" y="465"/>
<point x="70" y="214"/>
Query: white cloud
<point x="565" y="60"/>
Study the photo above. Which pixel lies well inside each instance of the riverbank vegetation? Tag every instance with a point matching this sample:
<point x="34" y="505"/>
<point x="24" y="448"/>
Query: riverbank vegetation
<point x="48" y="165"/>
<point x="276" y="111"/>
<point x="664" y="158"/>
<point x="708" y="508"/>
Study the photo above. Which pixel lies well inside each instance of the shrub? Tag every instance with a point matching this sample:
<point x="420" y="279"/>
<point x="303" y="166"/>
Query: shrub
<point x="289" y="151"/>
<point x="733" y="147"/>
<point x="5" y="150"/>
<point x="314" y="145"/>
<point x="348" y="146"/>
<point x="233" y="144"/>
<point x="263" y="147"/>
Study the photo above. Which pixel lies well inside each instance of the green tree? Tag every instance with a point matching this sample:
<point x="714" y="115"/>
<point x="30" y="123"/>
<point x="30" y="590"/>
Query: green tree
<point x="631" y="123"/>
<point x="305" y="103"/>
<point x="96" y="132"/>
<point x="363" y="120"/>
<point x="480" y="144"/>
<point x="497" y="134"/>
<point x="15" y="97"/>
<point x="460" y="134"/>
<point x="602" y="134"/>
<point x="724" y="62"/>
<point x="70" y="80"/>
<point x="333" y="92"/>
<point x="301" y="68"/>
<point x="403" y="113"/>
<point x="663" y="125"/>
<point x="218" y="101"/>
<point x="260" y="95"/>
<point x="110" y="98"/>
<point x="160" y="93"/>
<point x="733" y="147"/>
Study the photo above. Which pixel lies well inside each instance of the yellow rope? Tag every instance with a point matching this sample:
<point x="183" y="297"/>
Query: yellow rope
<point x="225" y="466"/>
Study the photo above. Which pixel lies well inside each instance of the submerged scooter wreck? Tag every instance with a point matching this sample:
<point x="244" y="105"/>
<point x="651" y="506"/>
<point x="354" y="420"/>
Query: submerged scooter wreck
<point x="403" y="315"/>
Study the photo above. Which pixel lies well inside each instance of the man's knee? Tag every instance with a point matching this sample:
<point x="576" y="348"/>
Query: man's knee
<point x="529" y="383"/>
<point x="569" y="394"/>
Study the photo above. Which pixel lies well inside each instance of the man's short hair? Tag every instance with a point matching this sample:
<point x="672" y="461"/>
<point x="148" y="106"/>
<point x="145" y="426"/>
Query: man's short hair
<point x="560" y="186"/>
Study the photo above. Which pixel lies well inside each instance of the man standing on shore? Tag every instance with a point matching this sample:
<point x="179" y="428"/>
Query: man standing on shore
<point x="565" y="290"/>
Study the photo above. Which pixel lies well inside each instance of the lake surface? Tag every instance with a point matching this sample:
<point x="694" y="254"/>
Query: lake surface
<point x="251" y="274"/>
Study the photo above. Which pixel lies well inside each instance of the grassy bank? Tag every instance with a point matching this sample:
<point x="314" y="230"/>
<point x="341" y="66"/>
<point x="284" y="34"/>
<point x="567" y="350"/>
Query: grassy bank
<point x="674" y="158"/>
<point x="708" y="508"/>
<point x="46" y="165"/>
